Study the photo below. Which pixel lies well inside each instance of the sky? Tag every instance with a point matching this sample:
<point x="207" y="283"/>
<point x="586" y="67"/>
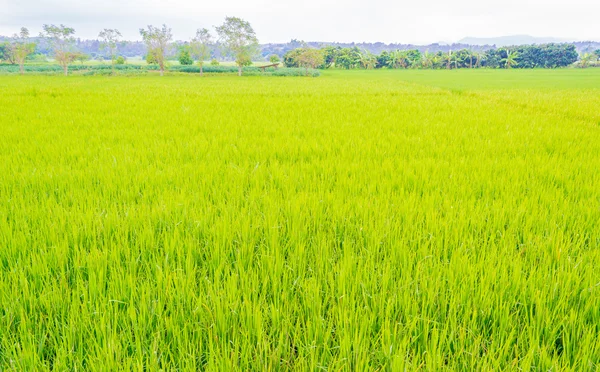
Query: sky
<point x="388" y="21"/>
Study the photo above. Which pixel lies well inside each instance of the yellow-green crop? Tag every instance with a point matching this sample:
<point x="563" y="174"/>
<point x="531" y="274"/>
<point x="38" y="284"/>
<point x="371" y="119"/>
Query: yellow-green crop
<point x="379" y="220"/>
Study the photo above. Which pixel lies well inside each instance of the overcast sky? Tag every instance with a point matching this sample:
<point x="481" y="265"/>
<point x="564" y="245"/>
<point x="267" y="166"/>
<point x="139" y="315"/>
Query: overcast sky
<point x="388" y="21"/>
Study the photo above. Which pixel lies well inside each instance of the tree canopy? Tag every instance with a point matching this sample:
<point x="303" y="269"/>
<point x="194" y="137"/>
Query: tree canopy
<point x="157" y="41"/>
<point x="239" y="38"/>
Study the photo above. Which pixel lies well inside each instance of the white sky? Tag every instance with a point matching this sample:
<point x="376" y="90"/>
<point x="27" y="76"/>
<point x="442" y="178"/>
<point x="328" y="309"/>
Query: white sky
<point x="419" y="22"/>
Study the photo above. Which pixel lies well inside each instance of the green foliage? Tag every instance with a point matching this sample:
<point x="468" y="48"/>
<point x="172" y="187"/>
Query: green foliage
<point x="290" y="59"/>
<point x="157" y="42"/>
<point x="110" y="39"/>
<point x="238" y="37"/>
<point x="5" y="53"/>
<point x="120" y="60"/>
<point x="274" y="59"/>
<point x="362" y="221"/>
<point x="214" y="62"/>
<point x="61" y="40"/>
<point x="200" y="46"/>
<point x="525" y="56"/>
<point x="184" y="57"/>
<point x="82" y="57"/>
<point x="150" y="59"/>
<point x="534" y="56"/>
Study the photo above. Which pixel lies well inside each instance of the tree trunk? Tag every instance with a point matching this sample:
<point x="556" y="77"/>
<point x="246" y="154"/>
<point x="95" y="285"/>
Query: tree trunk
<point x="21" y="68"/>
<point x="239" y="70"/>
<point x="66" y="67"/>
<point x="201" y="70"/>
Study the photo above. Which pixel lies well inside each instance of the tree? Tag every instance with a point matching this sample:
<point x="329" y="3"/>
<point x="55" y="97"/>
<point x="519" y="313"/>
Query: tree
<point x="368" y="61"/>
<point x="239" y="37"/>
<point x="61" y="40"/>
<point x="185" y="59"/>
<point x="448" y="59"/>
<point x="290" y="59"/>
<point x="310" y="58"/>
<point x="82" y="57"/>
<point x="274" y="59"/>
<point x="200" y="47"/>
<point x="6" y="53"/>
<point x="394" y="59"/>
<point x="110" y="40"/>
<point x="157" y="41"/>
<point x="477" y="59"/>
<point x="427" y="60"/>
<point x="120" y="60"/>
<point x="21" y="48"/>
<point x="585" y="60"/>
<point x="511" y="59"/>
<point x="597" y="53"/>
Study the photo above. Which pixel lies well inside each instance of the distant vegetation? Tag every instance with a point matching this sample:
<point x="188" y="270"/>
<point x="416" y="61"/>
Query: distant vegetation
<point x="236" y="41"/>
<point x="525" y="56"/>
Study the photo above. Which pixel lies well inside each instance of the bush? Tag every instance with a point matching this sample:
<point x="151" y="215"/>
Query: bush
<point x="214" y="62"/>
<point x="120" y="60"/>
<point x="184" y="58"/>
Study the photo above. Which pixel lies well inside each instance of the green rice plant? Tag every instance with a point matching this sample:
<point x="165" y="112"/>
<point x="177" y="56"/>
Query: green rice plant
<point x="365" y="220"/>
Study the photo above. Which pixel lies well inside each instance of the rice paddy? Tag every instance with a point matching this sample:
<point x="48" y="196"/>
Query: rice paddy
<point x="360" y="220"/>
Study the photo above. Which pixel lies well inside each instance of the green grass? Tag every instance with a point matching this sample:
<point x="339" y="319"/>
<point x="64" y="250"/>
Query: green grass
<point x="381" y="220"/>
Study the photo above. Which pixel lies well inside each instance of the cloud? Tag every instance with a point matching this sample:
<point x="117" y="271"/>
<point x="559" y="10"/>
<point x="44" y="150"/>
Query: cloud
<point x="316" y="20"/>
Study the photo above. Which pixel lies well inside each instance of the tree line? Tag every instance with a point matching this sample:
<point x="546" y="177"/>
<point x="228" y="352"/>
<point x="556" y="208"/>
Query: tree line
<point x="524" y="56"/>
<point x="235" y="36"/>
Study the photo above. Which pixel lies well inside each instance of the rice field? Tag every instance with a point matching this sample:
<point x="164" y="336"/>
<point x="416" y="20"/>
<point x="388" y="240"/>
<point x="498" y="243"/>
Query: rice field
<point x="361" y="220"/>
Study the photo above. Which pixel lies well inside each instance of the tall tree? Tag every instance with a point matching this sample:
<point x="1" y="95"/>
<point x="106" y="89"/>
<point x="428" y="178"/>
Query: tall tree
<point x="21" y="48"/>
<point x="447" y="59"/>
<point x="109" y="41"/>
<point x="477" y="59"/>
<point x="239" y="38"/>
<point x="62" y="40"/>
<point x="200" y="47"/>
<point x="157" y="42"/>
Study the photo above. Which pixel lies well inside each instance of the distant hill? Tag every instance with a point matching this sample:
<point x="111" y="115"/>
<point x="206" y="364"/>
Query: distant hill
<point x="510" y="40"/>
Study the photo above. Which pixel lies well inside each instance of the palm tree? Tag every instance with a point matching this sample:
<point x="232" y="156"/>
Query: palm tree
<point x="393" y="61"/>
<point x="403" y="58"/>
<point x="368" y="60"/>
<point x="455" y="60"/>
<point x="511" y="59"/>
<point x="427" y="60"/>
<point x="478" y="59"/>
<point x="447" y="59"/>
